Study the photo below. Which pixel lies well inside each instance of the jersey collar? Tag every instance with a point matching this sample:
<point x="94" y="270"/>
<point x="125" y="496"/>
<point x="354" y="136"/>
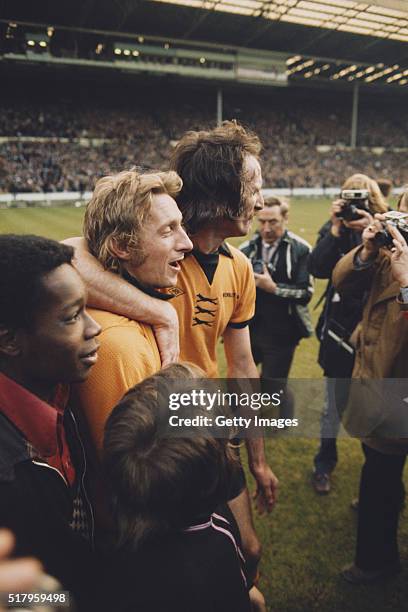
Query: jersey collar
<point x="148" y="290"/>
<point x="223" y="249"/>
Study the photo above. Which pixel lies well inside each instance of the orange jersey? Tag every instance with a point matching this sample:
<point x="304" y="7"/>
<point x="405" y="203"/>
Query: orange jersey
<point x="205" y="309"/>
<point x="127" y="355"/>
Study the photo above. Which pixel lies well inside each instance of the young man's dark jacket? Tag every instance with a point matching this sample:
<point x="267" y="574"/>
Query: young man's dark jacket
<point x="340" y="315"/>
<point x="283" y="316"/>
<point x="37" y="504"/>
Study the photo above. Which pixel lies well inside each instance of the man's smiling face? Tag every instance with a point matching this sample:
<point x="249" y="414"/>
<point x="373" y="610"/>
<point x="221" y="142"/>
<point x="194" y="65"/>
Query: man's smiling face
<point x="163" y="242"/>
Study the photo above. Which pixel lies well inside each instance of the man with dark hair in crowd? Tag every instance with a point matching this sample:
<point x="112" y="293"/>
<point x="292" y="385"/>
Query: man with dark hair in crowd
<point x="340" y="317"/>
<point x="372" y="412"/>
<point x="284" y="287"/>
<point x="178" y="545"/>
<point x="46" y="339"/>
<point x="215" y="292"/>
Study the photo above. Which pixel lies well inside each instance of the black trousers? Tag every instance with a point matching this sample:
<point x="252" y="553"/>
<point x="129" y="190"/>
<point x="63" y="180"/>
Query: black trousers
<point x="337" y="391"/>
<point x="276" y="361"/>
<point x="381" y="496"/>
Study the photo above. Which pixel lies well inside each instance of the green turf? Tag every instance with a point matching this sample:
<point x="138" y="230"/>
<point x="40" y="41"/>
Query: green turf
<point x="307" y="538"/>
<point x="57" y="223"/>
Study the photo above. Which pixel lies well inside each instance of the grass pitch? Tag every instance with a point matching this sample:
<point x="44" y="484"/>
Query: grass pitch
<point x="306" y="539"/>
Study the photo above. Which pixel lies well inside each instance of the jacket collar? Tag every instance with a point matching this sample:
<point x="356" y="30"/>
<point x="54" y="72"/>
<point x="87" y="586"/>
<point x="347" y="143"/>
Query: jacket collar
<point x="34" y="418"/>
<point x="13" y="449"/>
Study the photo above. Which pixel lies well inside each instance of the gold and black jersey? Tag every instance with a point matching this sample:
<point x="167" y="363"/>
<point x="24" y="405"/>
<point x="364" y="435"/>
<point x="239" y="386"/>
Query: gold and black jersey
<point x="207" y="302"/>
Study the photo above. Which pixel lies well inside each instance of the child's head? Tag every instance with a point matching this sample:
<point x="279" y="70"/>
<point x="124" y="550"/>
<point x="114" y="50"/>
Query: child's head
<point x="158" y="483"/>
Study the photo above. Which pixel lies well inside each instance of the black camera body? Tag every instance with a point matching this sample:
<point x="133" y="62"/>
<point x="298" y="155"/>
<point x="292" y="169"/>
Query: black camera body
<point x="399" y="220"/>
<point x="353" y="201"/>
<point x="258" y="266"/>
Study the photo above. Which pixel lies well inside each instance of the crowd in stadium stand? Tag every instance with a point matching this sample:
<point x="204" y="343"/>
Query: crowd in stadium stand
<point x="143" y="135"/>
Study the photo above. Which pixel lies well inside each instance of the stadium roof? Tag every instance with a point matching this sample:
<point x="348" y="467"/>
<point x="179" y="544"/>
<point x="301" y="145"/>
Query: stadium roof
<point x="352" y="30"/>
<point x="371" y="19"/>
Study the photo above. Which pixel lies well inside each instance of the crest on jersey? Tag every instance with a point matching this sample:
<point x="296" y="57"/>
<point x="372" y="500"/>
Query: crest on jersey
<point x="205" y="309"/>
<point x="174" y="291"/>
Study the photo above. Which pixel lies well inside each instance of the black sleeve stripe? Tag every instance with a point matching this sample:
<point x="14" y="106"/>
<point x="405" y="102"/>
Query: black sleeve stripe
<point x="239" y="325"/>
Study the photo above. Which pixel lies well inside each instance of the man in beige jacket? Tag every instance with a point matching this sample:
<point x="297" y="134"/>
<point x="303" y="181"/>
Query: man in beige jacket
<point x="381" y="354"/>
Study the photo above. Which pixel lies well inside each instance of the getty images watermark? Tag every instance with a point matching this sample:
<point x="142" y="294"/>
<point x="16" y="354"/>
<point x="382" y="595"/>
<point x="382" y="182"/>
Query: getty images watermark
<point x="223" y="408"/>
<point x="250" y="408"/>
<point x="212" y="402"/>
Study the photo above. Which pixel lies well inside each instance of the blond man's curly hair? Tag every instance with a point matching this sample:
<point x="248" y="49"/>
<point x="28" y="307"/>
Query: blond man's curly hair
<point x="118" y="209"/>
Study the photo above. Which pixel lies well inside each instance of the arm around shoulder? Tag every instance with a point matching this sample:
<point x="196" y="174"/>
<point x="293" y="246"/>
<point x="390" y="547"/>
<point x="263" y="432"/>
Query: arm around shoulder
<point x="108" y="291"/>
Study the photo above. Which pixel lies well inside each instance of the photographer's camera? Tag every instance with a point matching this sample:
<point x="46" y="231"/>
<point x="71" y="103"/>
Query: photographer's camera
<point x="353" y="200"/>
<point x="383" y="238"/>
<point x="258" y="266"/>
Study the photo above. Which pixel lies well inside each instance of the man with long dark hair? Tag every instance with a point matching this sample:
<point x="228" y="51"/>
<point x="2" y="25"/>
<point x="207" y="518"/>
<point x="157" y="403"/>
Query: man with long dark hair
<point x="215" y="292"/>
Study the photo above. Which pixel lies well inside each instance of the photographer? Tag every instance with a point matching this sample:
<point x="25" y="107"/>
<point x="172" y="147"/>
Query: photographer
<point x="340" y="315"/>
<point x="283" y="289"/>
<point x="399" y="257"/>
<point x="399" y="267"/>
<point x="381" y="353"/>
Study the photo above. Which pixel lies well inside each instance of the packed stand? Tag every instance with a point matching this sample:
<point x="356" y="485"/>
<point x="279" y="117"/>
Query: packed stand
<point x="102" y="139"/>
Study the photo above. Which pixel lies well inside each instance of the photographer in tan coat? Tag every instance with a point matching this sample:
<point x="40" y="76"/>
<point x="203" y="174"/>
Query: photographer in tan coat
<point x="381" y="353"/>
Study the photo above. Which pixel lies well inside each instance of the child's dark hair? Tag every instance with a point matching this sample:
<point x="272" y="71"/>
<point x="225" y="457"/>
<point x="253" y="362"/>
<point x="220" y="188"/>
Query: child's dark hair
<point x="161" y="484"/>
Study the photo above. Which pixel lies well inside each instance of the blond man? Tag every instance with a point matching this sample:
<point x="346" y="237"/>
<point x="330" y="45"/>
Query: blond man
<point x="133" y="227"/>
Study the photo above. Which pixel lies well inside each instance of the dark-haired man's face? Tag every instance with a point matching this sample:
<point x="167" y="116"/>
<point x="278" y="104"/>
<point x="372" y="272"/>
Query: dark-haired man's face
<point x="60" y="346"/>
<point x="252" y="197"/>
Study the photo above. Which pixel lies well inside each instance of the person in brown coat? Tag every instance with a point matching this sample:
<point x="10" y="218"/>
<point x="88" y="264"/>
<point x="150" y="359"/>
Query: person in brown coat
<point x="381" y="354"/>
<point x="399" y="266"/>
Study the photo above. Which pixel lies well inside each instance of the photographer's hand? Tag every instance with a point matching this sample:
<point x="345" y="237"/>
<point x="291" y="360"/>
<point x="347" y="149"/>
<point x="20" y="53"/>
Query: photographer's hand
<point x="370" y="249"/>
<point x="336" y="221"/>
<point x="399" y="257"/>
<point x="265" y="282"/>
<point x="359" y="225"/>
<point x="381" y="216"/>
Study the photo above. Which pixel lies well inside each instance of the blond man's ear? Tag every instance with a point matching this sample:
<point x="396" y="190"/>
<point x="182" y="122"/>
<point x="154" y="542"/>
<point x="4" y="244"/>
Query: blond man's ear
<point x="119" y="249"/>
